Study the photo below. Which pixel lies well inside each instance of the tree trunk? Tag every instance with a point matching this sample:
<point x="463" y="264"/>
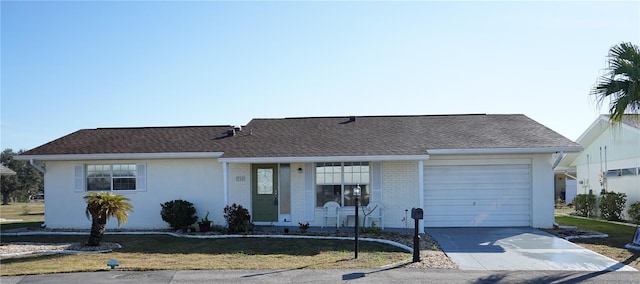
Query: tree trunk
<point x="5" y="199"/>
<point x="97" y="230"/>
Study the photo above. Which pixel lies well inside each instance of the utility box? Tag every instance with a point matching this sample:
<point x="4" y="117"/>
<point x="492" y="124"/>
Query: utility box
<point x="416" y="213"/>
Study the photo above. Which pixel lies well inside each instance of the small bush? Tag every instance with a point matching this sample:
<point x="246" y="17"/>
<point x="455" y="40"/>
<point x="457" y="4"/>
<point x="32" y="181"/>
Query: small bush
<point x="303" y="227"/>
<point x="634" y="212"/>
<point x="612" y="205"/>
<point x="238" y="219"/>
<point x="178" y="213"/>
<point x="585" y="204"/>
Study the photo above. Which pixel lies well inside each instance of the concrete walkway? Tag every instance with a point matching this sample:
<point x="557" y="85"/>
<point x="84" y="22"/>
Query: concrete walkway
<point x="518" y="249"/>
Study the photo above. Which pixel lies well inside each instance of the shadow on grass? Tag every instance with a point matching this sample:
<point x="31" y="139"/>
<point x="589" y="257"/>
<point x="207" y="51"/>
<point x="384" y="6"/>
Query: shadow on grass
<point x="18" y="225"/>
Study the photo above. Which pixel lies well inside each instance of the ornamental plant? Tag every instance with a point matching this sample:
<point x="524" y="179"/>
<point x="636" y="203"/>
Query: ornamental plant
<point x="585" y="204"/>
<point x="634" y="212"/>
<point x="612" y="205"/>
<point x="178" y="213"/>
<point x="238" y="219"/>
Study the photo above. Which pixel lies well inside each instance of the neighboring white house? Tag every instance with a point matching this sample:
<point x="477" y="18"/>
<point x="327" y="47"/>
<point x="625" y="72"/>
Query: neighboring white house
<point x="611" y="158"/>
<point x="463" y="170"/>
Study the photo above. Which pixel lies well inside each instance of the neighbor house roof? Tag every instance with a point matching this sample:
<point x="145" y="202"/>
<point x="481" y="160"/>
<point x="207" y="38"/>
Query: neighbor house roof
<point x="4" y="171"/>
<point x="327" y="137"/>
<point x="599" y="126"/>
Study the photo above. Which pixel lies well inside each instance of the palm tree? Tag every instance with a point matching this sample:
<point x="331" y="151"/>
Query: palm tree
<point x="621" y="83"/>
<point x="100" y="207"/>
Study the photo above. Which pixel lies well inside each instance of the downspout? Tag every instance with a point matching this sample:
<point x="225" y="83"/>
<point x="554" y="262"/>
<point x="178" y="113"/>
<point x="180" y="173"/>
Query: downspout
<point x="557" y="160"/>
<point x="225" y="182"/>
<point x="32" y="162"/>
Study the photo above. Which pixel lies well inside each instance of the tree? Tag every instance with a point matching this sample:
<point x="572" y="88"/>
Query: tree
<point x="621" y="82"/>
<point x="100" y="207"/>
<point x="26" y="182"/>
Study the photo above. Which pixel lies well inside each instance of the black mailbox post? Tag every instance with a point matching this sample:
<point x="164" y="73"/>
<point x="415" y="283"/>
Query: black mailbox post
<point x="416" y="214"/>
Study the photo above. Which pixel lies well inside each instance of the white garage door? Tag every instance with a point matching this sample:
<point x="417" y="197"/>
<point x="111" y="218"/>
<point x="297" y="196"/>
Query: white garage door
<point x="477" y="196"/>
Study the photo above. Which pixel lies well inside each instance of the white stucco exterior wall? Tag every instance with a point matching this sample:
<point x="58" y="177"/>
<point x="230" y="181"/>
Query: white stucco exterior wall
<point x="542" y="192"/>
<point x="198" y="181"/>
<point x="614" y="148"/>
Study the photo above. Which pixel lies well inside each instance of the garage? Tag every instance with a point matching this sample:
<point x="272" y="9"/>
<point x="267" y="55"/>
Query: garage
<point x="477" y="196"/>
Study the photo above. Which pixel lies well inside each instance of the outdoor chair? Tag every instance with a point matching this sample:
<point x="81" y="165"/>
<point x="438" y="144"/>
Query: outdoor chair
<point x="331" y="210"/>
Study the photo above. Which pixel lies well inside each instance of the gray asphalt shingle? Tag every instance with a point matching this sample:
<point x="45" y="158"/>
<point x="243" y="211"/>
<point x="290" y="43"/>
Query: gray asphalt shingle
<point x="319" y="136"/>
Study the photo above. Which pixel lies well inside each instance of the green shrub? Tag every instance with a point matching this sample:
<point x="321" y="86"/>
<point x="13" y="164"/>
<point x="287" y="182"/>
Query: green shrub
<point x="612" y="205"/>
<point x="585" y="204"/>
<point x="634" y="212"/>
<point x="178" y="213"/>
<point x="303" y="227"/>
<point x="371" y="230"/>
<point x="238" y="219"/>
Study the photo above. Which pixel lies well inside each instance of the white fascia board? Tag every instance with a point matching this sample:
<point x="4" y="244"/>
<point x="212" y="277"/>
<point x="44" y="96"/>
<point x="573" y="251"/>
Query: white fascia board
<point x="492" y="151"/>
<point x="121" y="156"/>
<point x="257" y="160"/>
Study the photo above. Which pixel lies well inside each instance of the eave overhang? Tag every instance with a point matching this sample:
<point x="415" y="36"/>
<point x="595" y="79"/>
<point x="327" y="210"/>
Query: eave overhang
<point x="121" y="156"/>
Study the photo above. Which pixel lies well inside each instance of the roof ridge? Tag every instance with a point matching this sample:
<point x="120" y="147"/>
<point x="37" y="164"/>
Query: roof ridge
<point x="158" y="127"/>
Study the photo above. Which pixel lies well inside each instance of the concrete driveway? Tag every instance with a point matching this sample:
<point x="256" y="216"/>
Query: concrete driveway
<point x="518" y="249"/>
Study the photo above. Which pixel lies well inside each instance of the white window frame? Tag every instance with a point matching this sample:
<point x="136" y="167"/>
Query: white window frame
<point x="347" y="187"/>
<point x="81" y="177"/>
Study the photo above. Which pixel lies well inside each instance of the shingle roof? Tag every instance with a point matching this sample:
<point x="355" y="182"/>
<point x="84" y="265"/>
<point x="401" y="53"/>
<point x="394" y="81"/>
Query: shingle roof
<point x="390" y="135"/>
<point x="319" y="136"/>
<point x="136" y="140"/>
<point x="4" y="171"/>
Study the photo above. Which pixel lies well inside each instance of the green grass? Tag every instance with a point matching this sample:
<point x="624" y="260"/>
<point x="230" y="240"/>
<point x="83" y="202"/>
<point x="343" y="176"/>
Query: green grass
<point x="611" y="229"/>
<point x="613" y="246"/>
<point x="154" y="252"/>
<point x="20" y="215"/>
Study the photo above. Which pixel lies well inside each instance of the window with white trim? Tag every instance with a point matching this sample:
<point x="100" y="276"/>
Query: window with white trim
<point x="111" y="177"/>
<point x="621" y="172"/>
<point x="335" y="182"/>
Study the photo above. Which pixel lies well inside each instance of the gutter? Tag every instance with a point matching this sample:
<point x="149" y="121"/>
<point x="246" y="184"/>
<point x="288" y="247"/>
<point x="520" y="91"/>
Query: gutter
<point x="32" y="162"/>
<point x="494" y="151"/>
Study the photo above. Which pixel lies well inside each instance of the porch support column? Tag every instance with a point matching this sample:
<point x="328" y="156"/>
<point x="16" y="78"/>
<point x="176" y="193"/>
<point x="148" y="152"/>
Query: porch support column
<point x="225" y="182"/>
<point x="421" y="193"/>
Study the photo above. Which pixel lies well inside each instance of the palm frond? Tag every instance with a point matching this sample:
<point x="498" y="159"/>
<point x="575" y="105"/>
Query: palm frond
<point x="621" y="82"/>
<point x="108" y="205"/>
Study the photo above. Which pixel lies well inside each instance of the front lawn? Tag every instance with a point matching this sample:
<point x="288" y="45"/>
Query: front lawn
<point x="21" y="215"/>
<point x="613" y="246"/>
<point x="161" y="252"/>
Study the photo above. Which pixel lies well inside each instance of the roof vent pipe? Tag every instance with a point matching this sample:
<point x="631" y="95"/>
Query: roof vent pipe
<point x="352" y="118"/>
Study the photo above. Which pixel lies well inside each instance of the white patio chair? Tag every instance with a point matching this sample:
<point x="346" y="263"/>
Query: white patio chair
<point x="376" y="214"/>
<point x="331" y="210"/>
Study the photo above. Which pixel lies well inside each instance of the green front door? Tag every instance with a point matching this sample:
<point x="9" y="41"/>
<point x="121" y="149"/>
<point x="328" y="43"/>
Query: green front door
<point x="264" y="193"/>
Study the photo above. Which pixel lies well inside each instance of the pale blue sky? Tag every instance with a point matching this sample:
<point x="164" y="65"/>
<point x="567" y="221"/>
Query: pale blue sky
<point x="73" y="65"/>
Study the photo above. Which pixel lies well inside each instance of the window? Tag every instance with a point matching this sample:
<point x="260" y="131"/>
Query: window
<point x="628" y="172"/>
<point x="111" y="177"/>
<point x="335" y="182"/>
<point x="621" y="172"/>
<point x="612" y="173"/>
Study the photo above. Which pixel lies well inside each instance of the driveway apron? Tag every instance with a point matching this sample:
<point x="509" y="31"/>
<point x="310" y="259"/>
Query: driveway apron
<point x="518" y="249"/>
